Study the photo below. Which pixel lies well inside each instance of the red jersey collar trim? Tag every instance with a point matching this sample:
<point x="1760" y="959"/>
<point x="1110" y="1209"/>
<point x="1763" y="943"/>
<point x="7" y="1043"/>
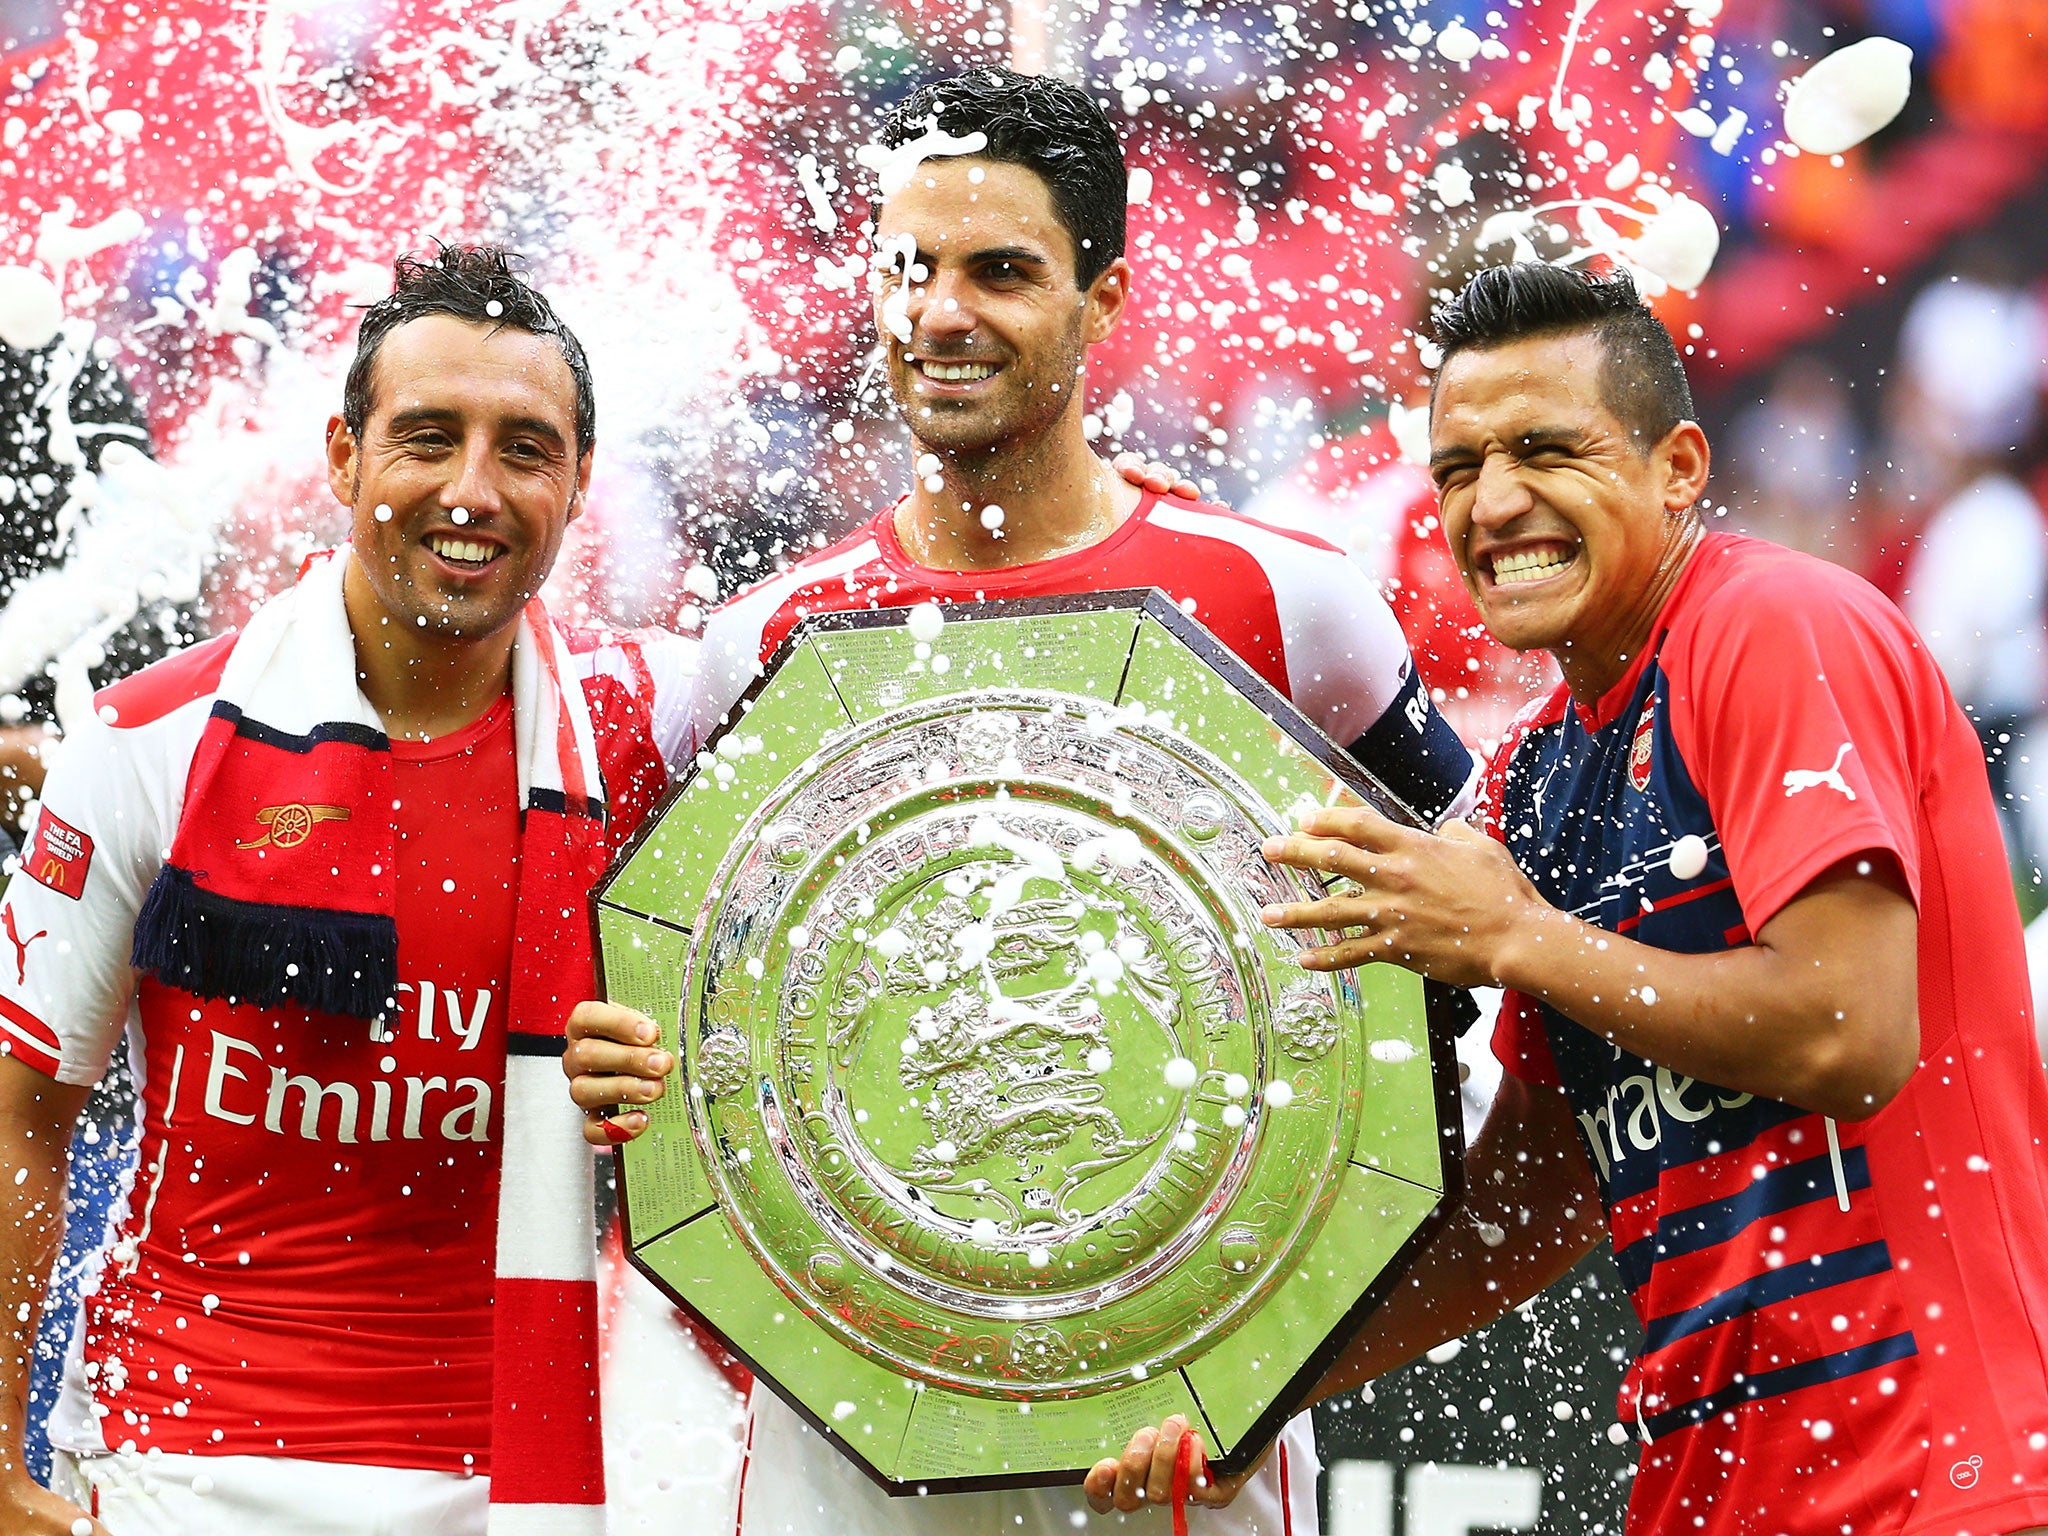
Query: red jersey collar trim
<point x="883" y="529"/>
<point x="1608" y="707"/>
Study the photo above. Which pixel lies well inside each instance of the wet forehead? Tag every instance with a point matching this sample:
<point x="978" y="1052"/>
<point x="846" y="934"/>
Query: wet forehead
<point x="1502" y="392"/>
<point x="442" y="361"/>
<point x="949" y="212"/>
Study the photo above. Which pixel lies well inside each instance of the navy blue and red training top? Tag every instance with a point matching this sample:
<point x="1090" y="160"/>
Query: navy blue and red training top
<point x="1846" y="1324"/>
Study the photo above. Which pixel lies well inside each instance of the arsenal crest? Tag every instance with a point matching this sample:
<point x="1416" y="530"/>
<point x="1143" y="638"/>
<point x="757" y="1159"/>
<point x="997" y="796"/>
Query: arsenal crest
<point x="1639" y="749"/>
<point x="286" y="826"/>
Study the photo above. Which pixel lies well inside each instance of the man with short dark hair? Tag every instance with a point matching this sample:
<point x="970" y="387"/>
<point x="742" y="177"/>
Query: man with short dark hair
<point x="1000" y="262"/>
<point x="330" y="874"/>
<point x="1767" y="1006"/>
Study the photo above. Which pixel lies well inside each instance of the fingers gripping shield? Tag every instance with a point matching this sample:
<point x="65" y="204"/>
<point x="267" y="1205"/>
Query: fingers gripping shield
<point x="1002" y="1126"/>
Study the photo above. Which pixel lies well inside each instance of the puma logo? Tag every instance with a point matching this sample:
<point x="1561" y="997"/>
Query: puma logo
<point x="20" y="945"/>
<point x="1817" y="778"/>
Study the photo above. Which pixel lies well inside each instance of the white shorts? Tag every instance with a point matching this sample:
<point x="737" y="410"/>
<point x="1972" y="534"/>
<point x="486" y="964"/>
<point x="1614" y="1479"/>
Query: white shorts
<point x="138" y="1495"/>
<point x="794" y="1484"/>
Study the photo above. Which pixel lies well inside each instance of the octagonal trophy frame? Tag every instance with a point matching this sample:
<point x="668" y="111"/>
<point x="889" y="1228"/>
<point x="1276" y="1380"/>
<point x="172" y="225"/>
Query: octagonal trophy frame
<point x="826" y="1211"/>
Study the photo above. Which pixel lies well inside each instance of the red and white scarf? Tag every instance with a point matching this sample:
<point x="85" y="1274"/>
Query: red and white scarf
<point x="290" y="727"/>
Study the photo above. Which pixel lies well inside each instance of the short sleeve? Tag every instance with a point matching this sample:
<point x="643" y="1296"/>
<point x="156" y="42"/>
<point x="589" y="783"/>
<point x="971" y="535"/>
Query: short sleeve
<point x="1802" y="704"/>
<point x="68" y="916"/>
<point x="1350" y="671"/>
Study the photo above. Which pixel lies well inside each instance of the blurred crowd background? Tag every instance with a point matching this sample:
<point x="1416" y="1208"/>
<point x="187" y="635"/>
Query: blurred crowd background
<point x="1869" y="349"/>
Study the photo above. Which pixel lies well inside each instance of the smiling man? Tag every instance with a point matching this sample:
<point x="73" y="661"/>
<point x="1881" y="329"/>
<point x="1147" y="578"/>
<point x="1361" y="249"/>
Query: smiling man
<point x="1000" y="241"/>
<point x="1000" y="262"/>
<point x="329" y="875"/>
<point x="1767" y="1007"/>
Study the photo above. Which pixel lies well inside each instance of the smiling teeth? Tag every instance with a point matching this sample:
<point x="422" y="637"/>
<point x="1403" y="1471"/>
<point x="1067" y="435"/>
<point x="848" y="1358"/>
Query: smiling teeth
<point x="1533" y="565"/>
<point x="957" y="372"/>
<point x="461" y="549"/>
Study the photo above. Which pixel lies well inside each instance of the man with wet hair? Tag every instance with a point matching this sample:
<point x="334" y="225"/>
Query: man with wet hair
<point x="328" y="874"/>
<point x="1767" y="1019"/>
<point x="1000" y="238"/>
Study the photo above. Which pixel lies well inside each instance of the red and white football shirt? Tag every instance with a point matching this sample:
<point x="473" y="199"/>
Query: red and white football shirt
<point x="1300" y="615"/>
<point x="306" y="1265"/>
<point x="1290" y="606"/>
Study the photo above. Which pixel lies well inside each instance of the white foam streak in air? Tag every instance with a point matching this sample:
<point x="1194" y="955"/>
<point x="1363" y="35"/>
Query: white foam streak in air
<point x="1848" y="95"/>
<point x="893" y="168"/>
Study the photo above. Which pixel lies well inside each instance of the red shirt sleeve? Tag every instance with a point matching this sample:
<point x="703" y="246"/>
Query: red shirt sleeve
<point x="1802" y="703"/>
<point x="1519" y="1042"/>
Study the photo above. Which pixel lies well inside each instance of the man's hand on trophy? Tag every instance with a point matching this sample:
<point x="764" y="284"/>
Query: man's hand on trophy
<point x="1144" y="1473"/>
<point x="1447" y="904"/>
<point x="613" y="1063"/>
<point x="1155" y="475"/>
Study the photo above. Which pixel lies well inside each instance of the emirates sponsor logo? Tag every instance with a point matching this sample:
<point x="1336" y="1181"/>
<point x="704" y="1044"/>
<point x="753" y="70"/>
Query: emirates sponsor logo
<point x="246" y="1087"/>
<point x="1632" y="1119"/>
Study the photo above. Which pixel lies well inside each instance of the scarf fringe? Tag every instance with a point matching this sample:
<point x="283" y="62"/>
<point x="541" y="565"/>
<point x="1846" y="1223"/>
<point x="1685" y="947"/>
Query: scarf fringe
<point x="257" y="952"/>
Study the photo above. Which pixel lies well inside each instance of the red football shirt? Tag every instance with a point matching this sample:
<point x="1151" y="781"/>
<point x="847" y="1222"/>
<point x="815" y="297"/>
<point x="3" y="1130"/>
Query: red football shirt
<point x="306" y="1268"/>
<point x="1846" y="1323"/>
<point x="1290" y="606"/>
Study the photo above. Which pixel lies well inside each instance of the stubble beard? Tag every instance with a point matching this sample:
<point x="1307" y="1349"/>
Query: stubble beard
<point x="1007" y="432"/>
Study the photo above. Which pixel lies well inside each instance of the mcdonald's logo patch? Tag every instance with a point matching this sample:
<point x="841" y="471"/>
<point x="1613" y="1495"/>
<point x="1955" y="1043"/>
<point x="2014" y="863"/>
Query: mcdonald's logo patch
<point x="59" y="856"/>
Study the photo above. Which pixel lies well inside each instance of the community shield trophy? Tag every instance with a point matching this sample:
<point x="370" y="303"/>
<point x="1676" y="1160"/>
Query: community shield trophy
<point x="1001" y="1125"/>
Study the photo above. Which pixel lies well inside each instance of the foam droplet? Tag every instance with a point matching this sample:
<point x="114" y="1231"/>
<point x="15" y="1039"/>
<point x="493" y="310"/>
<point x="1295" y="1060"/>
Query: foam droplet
<point x="925" y="622"/>
<point x="1279" y="1093"/>
<point x="1180" y="1073"/>
<point x="1688" y="857"/>
<point x="1848" y="95"/>
<point x="1458" y="43"/>
<point x="31" y="311"/>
